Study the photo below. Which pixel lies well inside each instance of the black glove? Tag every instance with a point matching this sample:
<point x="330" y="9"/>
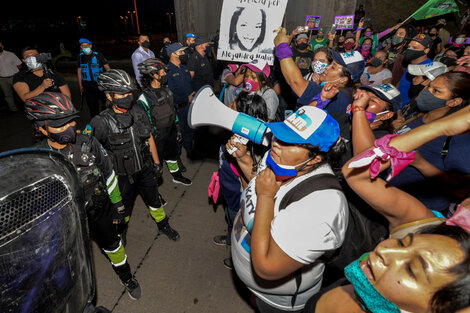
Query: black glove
<point x="158" y="168"/>
<point x="119" y="214"/>
<point x="179" y="135"/>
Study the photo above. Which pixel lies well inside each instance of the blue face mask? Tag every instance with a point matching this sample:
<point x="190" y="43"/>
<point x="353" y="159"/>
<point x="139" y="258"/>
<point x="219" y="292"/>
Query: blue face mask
<point x="86" y="50"/>
<point x="282" y="172"/>
<point x="369" y="297"/>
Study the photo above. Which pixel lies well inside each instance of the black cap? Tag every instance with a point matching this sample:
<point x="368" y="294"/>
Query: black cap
<point x="202" y="40"/>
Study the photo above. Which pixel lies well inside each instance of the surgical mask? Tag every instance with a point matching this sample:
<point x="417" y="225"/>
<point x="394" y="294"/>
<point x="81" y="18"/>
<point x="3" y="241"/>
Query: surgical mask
<point x="32" y="64"/>
<point x="163" y="79"/>
<point x="376" y="62"/>
<point x="319" y="67"/>
<point x="365" y="291"/>
<point x="366" y="47"/>
<point x="283" y="172"/>
<point x="86" y="50"/>
<point x="349" y="45"/>
<point x="427" y="102"/>
<point x="146" y="44"/>
<point x="396" y="40"/>
<point x="251" y="85"/>
<point x="183" y="58"/>
<point x="459" y="41"/>
<point x="302" y="46"/>
<point x="124" y="103"/>
<point x="65" y="137"/>
<point x="410" y="54"/>
<point x="368" y="34"/>
<point x="448" y="61"/>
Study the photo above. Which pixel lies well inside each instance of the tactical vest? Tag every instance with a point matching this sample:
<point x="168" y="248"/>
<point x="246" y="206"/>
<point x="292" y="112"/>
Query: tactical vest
<point x="90" y="71"/>
<point x="159" y="107"/>
<point x="128" y="143"/>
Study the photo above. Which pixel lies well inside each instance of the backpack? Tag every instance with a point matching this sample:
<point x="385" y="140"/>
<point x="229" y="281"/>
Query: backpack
<point x="159" y="107"/>
<point x="366" y="228"/>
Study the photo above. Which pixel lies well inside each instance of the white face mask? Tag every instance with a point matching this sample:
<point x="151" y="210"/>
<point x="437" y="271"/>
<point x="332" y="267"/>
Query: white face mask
<point x="459" y="41"/>
<point x="384" y="112"/>
<point x="32" y="64"/>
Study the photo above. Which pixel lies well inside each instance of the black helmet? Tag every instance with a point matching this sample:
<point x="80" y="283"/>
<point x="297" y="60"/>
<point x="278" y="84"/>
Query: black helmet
<point x="151" y="66"/>
<point x="117" y="81"/>
<point x="54" y="107"/>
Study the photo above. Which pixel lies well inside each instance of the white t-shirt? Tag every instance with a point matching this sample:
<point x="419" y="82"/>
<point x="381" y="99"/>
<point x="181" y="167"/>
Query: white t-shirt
<point x="304" y="230"/>
<point x="8" y="64"/>
<point x="378" y="78"/>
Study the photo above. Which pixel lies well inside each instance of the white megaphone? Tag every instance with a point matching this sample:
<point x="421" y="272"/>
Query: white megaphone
<point x="206" y="109"/>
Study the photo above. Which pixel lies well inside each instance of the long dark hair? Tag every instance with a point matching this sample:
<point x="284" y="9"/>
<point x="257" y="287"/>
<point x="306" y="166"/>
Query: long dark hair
<point x="263" y="80"/>
<point x="332" y="157"/>
<point x="455" y="295"/>
<point x="233" y="39"/>
<point x="253" y="105"/>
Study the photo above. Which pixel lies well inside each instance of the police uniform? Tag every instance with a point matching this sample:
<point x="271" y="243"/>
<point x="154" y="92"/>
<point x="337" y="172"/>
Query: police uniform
<point x="102" y="195"/>
<point x="180" y="83"/>
<point x="202" y="69"/>
<point x="91" y="66"/>
<point x="125" y="137"/>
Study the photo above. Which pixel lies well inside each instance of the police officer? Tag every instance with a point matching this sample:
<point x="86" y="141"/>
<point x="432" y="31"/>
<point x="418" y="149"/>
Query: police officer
<point x="54" y="114"/>
<point x="157" y="101"/>
<point x="124" y="130"/>
<point x="89" y="65"/>
<point x="199" y="65"/>
<point x="190" y="43"/>
<point x="163" y="53"/>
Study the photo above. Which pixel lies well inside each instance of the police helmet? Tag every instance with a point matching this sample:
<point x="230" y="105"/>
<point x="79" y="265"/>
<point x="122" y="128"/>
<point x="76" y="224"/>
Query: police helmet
<point x="117" y="81"/>
<point x="151" y="66"/>
<point x="54" y="107"/>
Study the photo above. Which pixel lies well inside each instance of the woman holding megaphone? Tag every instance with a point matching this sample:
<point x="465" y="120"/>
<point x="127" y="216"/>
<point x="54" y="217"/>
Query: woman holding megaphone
<point x="284" y="226"/>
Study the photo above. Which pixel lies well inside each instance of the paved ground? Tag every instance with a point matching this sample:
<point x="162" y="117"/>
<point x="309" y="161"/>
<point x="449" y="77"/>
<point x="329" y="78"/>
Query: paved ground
<point x="184" y="276"/>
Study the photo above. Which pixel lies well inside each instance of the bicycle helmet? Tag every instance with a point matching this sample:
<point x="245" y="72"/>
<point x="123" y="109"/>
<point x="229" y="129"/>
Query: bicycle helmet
<point x="54" y="107"/>
<point x="151" y="66"/>
<point x="117" y="81"/>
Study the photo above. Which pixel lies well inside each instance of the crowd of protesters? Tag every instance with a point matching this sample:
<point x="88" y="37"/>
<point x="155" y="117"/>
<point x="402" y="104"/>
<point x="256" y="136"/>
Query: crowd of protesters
<point x="360" y="202"/>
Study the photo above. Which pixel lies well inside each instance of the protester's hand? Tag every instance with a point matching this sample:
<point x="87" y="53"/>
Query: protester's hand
<point x="364" y="79"/>
<point x="241" y="149"/>
<point x="398" y="122"/>
<point x="331" y="37"/>
<point x="179" y="134"/>
<point x="266" y="184"/>
<point x="361" y="99"/>
<point x="158" y="170"/>
<point x="464" y="60"/>
<point x="329" y="91"/>
<point x="281" y="37"/>
<point x="295" y="32"/>
<point x="47" y="82"/>
<point x="80" y="87"/>
<point x="361" y="23"/>
<point x="315" y="78"/>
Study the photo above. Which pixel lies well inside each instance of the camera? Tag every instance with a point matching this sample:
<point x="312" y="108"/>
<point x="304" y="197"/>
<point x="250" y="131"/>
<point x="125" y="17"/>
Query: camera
<point x="302" y="29"/>
<point x="43" y="57"/>
<point x="333" y="29"/>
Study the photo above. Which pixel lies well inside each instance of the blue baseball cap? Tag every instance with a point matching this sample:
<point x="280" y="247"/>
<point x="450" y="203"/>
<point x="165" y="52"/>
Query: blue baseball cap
<point x="190" y="35"/>
<point x="176" y="46"/>
<point x="84" y="40"/>
<point x="354" y="62"/>
<point x="388" y="93"/>
<point x="308" y="125"/>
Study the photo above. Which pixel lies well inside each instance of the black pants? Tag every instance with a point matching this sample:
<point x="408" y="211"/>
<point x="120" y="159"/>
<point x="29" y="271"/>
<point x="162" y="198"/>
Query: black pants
<point x="93" y="97"/>
<point x="102" y="227"/>
<point x="167" y="146"/>
<point x="145" y="183"/>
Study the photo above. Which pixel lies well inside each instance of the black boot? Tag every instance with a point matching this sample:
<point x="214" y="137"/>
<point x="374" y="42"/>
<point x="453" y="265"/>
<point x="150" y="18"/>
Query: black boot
<point x="181" y="165"/>
<point x="128" y="281"/>
<point x="165" y="228"/>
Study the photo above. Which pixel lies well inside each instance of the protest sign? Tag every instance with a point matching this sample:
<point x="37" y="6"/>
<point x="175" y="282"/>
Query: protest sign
<point x="247" y="29"/>
<point x="344" y="22"/>
<point x="313" y="22"/>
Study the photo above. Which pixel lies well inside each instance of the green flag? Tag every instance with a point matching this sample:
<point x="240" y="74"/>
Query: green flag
<point x="434" y="8"/>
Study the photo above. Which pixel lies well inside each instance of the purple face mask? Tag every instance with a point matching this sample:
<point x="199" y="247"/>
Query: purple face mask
<point x="366" y="47"/>
<point x="368" y="34"/>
